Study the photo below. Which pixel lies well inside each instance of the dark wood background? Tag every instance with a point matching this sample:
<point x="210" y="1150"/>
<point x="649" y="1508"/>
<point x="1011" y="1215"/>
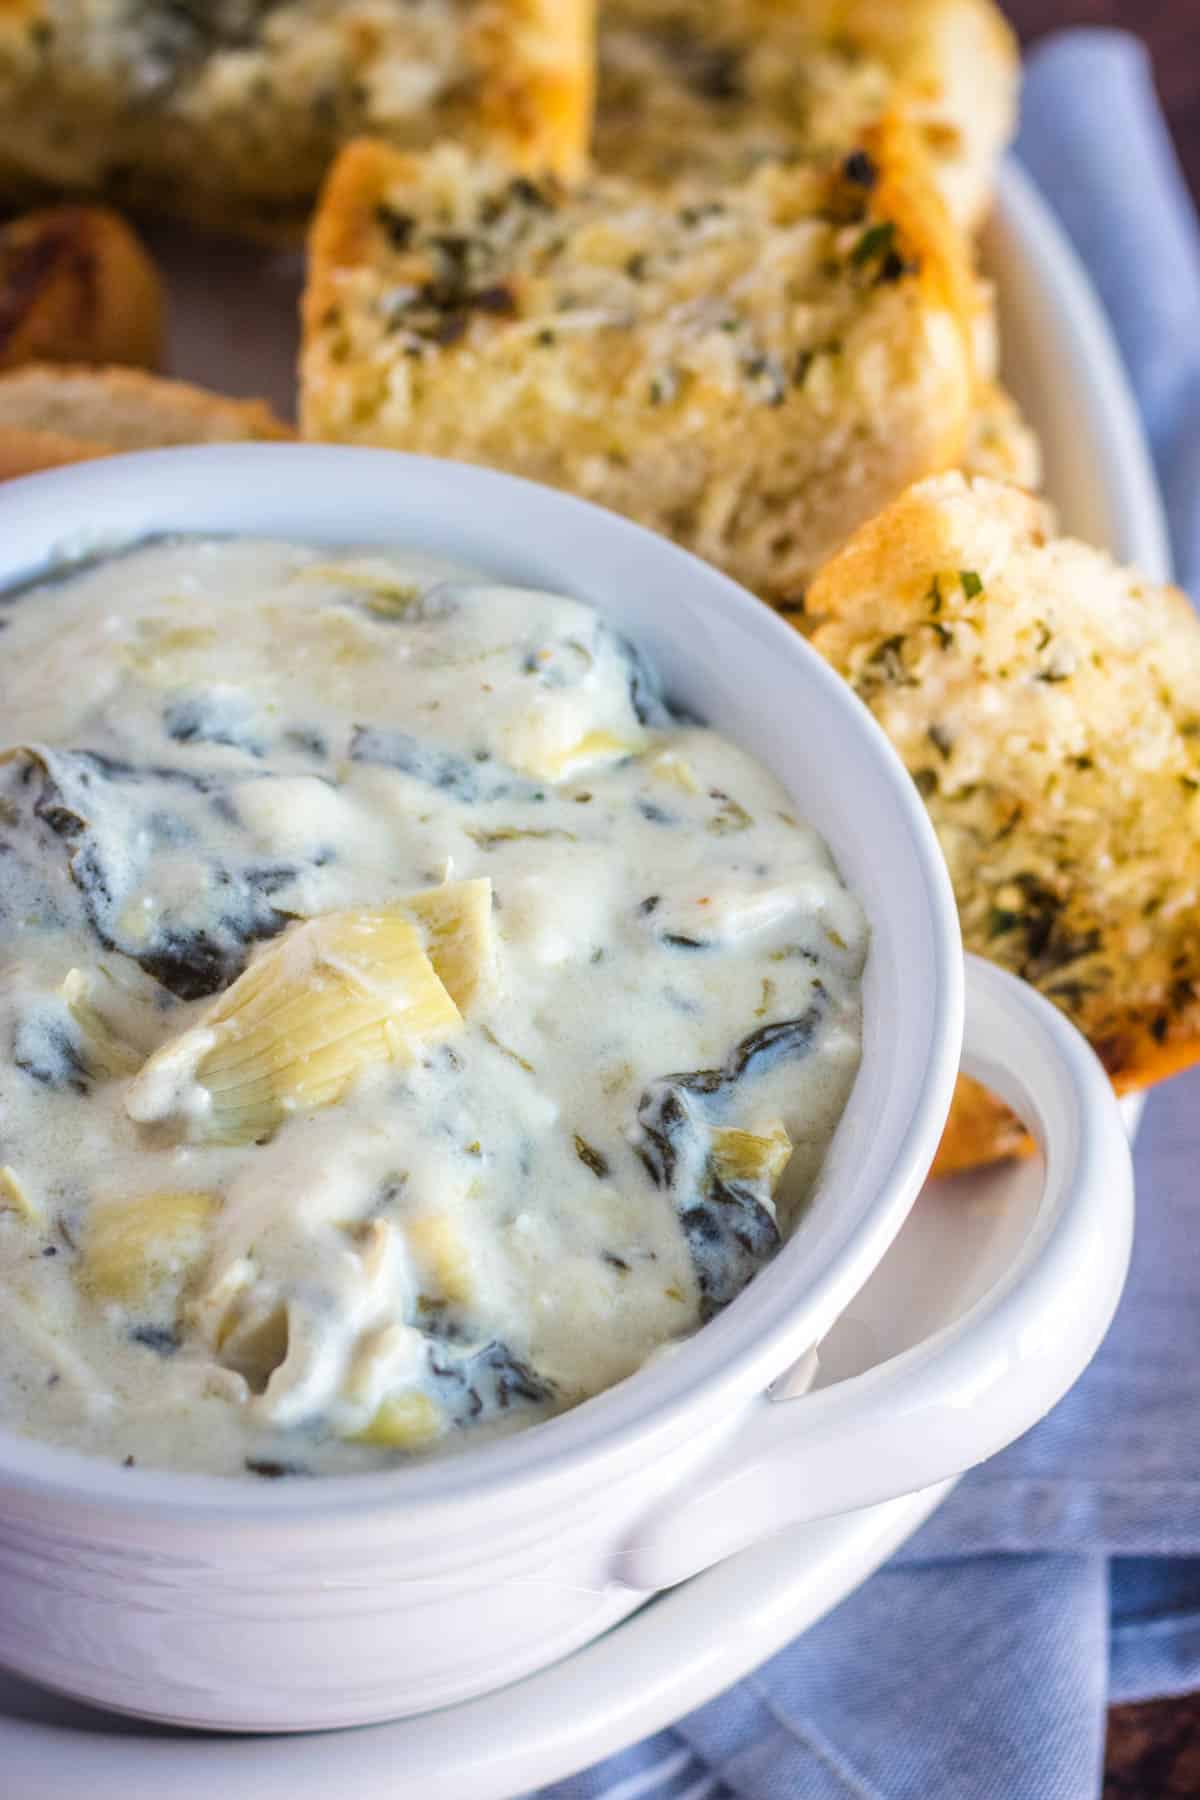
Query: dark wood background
<point x="1171" y="28"/>
<point x="1154" y="1750"/>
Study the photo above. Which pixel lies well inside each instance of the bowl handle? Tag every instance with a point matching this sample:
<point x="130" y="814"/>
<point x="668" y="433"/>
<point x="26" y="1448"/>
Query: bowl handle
<point x="961" y="1395"/>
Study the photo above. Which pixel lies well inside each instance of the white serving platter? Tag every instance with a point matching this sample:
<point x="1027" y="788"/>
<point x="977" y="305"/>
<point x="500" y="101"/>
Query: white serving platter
<point x="233" y="327"/>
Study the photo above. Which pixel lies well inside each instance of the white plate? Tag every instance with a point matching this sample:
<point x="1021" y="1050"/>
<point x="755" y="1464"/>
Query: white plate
<point x="232" y="328"/>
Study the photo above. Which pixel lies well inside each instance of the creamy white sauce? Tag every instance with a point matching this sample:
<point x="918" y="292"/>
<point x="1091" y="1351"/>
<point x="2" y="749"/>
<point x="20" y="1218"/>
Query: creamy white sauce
<point x="205" y="741"/>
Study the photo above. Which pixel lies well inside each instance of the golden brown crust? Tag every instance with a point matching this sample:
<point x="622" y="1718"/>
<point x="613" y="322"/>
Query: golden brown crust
<point x="29" y="452"/>
<point x="956" y="65"/>
<point x="51" y="415"/>
<point x="907" y="194"/>
<point x="750" y="370"/>
<point x="77" y="286"/>
<point x="344" y="225"/>
<point x="980" y="1130"/>
<point x="1048" y="706"/>
<point x="539" y="88"/>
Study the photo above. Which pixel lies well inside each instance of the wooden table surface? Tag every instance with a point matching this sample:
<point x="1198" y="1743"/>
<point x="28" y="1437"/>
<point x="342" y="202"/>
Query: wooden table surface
<point x="1153" y="1750"/>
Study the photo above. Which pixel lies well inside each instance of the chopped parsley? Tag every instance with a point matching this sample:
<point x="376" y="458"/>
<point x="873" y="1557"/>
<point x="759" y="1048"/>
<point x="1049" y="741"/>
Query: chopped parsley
<point x="876" y="241"/>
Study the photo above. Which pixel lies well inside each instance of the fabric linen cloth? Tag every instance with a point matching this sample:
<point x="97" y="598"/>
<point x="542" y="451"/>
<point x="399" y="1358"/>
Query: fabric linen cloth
<point x="1065" y="1573"/>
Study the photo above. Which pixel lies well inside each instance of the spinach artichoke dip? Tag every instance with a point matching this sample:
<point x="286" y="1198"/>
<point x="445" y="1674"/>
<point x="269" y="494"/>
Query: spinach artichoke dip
<point x="408" y="1027"/>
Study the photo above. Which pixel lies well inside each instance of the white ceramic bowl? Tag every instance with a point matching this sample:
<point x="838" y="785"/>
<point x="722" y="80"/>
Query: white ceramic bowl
<point x="242" y="1605"/>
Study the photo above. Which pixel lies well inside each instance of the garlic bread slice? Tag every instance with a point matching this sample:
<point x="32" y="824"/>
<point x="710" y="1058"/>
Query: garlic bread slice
<point x="751" y="370"/>
<point x="230" y="111"/>
<point x="1047" y="704"/>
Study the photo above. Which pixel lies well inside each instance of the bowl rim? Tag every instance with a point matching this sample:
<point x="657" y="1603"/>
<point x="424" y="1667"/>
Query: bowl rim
<point x="736" y="1355"/>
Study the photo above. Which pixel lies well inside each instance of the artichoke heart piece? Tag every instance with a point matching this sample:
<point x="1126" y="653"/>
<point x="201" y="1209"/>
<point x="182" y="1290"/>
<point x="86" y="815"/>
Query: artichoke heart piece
<point x="534" y="756"/>
<point x="749" y="1158"/>
<point x="15" y="1197"/>
<point x="133" y="1247"/>
<point x="668" y="765"/>
<point x="105" y="1054"/>
<point x="403" y="1422"/>
<point x="319" y="1005"/>
<point x="382" y="593"/>
<point x="442" y="1257"/>
<point x="459" y="936"/>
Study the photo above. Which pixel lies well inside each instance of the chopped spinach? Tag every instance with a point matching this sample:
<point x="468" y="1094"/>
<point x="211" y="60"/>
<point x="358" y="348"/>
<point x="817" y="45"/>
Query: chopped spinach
<point x="103" y="811"/>
<point x="213" y="716"/>
<point x="159" y="1338"/>
<point x="466" y="779"/>
<point x="46" y="1047"/>
<point x="271" y="1469"/>
<point x="307" y="739"/>
<point x="645" y="694"/>
<point x="490" y="1379"/>
<point x="729" y="1230"/>
<point x="730" y="1235"/>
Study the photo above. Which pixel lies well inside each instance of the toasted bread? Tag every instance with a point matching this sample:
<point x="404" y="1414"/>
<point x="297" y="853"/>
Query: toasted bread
<point x="687" y="88"/>
<point x="50" y="415"/>
<point x="751" y="370"/>
<point x="1001" y="443"/>
<point x="230" y="112"/>
<point x="980" y="1130"/>
<point x="77" y="286"/>
<point x="1047" y="703"/>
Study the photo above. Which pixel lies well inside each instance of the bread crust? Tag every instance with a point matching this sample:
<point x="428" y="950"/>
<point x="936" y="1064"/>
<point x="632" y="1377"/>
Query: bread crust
<point x="76" y="285"/>
<point x="29" y="452"/>
<point x="51" y="415"/>
<point x="980" y="1130"/>
<point x="537" y="100"/>
<point x="1048" y="705"/>
<point x="639" y="347"/>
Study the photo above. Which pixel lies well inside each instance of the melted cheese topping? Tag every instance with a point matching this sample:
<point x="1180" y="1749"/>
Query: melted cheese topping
<point x="407" y="1026"/>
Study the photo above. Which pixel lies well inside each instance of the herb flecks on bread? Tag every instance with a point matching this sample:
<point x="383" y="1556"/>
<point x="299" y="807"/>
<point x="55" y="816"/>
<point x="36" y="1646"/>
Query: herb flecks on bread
<point x="1047" y="704"/>
<point x="689" y="88"/>
<point x="231" y="112"/>
<point x="751" y="370"/>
